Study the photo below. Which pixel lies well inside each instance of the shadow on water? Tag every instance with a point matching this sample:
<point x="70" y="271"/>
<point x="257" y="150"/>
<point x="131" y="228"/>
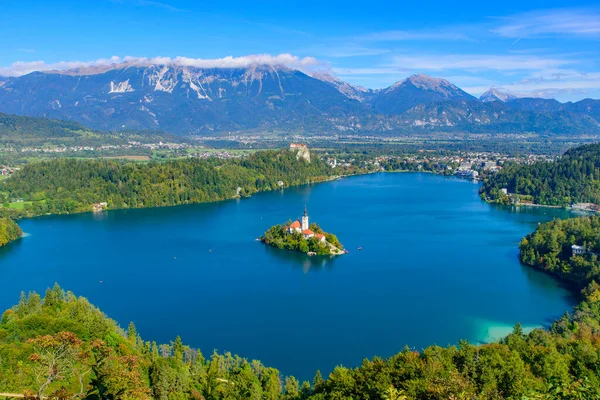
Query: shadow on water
<point x="533" y="214"/>
<point x="12" y="246"/>
<point x="539" y="279"/>
<point x="300" y="260"/>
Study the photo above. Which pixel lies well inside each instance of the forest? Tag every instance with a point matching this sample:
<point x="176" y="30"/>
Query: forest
<point x="549" y="248"/>
<point x="62" y="347"/>
<point x="573" y="178"/>
<point x="9" y="231"/>
<point x="65" y="186"/>
<point x="277" y="236"/>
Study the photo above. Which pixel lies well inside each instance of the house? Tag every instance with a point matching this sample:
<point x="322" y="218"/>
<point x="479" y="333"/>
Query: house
<point x="295" y="227"/>
<point x="320" y="237"/>
<point x="307" y="233"/>
<point x="97" y="207"/>
<point x="578" y="250"/>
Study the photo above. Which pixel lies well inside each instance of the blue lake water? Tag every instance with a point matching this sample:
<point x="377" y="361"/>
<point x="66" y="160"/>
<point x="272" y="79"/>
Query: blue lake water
<point x="437" y="265"/>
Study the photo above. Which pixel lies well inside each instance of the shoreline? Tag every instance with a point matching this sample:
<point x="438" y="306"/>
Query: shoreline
<point x="237" y="197"/>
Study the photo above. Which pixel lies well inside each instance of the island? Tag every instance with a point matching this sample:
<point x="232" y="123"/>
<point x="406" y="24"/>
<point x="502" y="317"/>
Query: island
<point x="303" y="237"/>
<point x="9" y="231"/>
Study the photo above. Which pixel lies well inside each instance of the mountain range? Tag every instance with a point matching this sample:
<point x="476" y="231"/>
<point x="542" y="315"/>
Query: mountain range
<point x="261" y="98"/>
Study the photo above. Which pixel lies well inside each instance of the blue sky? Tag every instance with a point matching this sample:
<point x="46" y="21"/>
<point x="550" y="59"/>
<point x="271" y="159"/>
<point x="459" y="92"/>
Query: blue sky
<point x="534" y="48"/>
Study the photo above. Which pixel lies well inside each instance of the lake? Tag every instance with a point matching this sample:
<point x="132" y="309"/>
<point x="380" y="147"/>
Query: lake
<point x="438" y="265"/>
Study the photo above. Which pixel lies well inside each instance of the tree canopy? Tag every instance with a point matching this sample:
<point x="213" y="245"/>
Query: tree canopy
<point x="9" y="231"/>
<point x="573" y="178"/>
<point x="68" y="185"/>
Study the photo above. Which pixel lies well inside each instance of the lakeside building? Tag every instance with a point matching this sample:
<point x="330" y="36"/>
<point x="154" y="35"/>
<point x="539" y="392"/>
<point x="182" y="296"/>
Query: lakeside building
<point x="98" y="207"/>
<point x="578" y="250"/>
<point x="582" y="250"/>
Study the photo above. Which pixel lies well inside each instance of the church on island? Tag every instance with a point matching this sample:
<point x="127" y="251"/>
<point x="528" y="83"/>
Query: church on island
<point x="302" y="237"/>
<point x="303" y="228"/>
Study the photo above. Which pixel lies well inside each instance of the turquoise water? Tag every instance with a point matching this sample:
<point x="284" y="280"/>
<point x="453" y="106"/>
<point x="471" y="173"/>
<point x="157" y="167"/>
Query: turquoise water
<point x="437" y="265"/>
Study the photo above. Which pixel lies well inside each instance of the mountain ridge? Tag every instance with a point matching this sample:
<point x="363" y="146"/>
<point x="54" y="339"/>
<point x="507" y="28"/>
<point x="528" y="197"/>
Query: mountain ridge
<point x="191" y="100"/>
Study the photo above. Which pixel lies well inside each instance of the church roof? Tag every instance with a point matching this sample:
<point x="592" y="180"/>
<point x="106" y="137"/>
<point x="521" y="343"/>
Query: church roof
<point x="295" y="224"/>
<point x="308" y="232"/>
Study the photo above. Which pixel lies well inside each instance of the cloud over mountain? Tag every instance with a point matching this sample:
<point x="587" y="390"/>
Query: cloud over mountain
<point x="20" y="68"/>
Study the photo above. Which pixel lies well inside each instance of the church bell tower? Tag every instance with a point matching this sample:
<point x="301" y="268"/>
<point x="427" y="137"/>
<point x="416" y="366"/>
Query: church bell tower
<point x="305" y="220"/>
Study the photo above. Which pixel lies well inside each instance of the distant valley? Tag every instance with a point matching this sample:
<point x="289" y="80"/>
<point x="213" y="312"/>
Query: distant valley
<point x="200" y="101"/>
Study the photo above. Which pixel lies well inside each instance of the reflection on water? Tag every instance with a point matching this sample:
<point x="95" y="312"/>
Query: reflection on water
<point x="12" y="247"/>
<point x="300" y="260"/>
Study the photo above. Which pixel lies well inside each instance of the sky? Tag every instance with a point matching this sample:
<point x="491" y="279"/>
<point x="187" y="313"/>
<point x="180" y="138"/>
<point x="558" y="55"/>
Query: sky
<point x="530" y="48"/>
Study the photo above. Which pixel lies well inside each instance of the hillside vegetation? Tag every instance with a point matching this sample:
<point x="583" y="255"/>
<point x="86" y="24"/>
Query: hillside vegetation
<point x="9" y="231"/>
<point x="573" y="178"/>
<point x="62" y="345"/>
<point x="69" y="186"/>
<point x="549" y="248"/>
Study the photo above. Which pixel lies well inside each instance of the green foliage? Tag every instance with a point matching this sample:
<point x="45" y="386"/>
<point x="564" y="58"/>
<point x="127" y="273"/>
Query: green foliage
<point x="574" y="178"/>
<point x="549" y="248"/>
<point x="68" y="186"/>
<point x="9" y="231"/>
<point x="61" y="344"/>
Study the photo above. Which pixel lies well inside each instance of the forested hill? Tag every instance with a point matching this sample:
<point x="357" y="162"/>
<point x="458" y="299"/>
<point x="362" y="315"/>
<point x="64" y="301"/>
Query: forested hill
<point x="69" y="185"/>
<point x="549" y="249"/>
<point x="573" y="178"/>
<point x="61" y="345"/>
<point x="9" y="231"/>
<point x="16" y="130"/>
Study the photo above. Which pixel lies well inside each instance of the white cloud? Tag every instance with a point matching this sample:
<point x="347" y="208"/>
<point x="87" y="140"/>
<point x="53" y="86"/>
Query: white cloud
<point x="396" y="36"/>
<point x="306" y="63"/>
<point x="550" y="83"/>
<point x="577" y="22"/>
<point x="478" y="62"/>
<point x="365" y="71"/>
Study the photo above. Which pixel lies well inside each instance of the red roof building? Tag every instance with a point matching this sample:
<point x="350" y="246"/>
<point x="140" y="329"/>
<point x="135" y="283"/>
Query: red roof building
<point x="308" y="233"/>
